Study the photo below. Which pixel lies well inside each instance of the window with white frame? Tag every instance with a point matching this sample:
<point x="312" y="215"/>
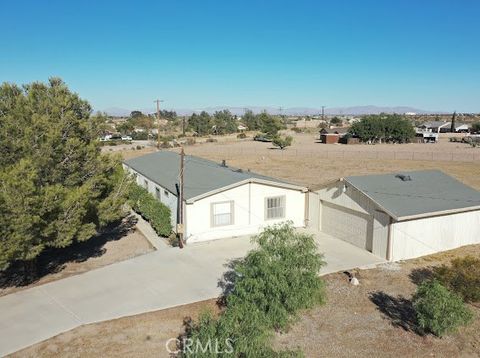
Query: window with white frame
<point x="275" y="207"/>
<point x="222" y="213"/>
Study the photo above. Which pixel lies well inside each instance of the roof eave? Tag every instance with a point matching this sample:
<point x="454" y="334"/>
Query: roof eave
<point x="438" y="213"/>
<point x="246" y="181"/>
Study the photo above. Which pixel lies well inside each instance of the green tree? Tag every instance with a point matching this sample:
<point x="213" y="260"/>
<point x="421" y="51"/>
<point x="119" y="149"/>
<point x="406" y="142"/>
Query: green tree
<point x="224" y="122"/>
<point x="200" y="123"/>
<point x="282" y="141"/>
<point x="266" y="290"/>
<point x="335" y="121"/>
<point x="252" y="121"/>
<point x="55" y="185"/>
<point x="476" y="127"/>
<point x="269" y="124"/>
<point x="390" y="128"/>
<point x="438" y="310"/>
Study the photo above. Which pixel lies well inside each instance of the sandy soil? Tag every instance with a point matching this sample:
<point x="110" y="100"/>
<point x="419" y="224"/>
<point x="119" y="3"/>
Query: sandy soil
<point x="119" y="243"/>
<point x="370" y="320"/>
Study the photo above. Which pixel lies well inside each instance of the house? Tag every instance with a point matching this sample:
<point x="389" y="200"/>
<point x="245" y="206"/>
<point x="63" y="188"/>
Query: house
<point x="219" y="201"/>
<point x="436" y="126"/>
<point x="333" y="135"/>
<point x="444" y="127"/>
<point x="398" y="216"/>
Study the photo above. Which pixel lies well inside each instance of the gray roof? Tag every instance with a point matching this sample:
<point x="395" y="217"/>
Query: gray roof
<point x="201" y="175"/>
<point x="428" y="192"/>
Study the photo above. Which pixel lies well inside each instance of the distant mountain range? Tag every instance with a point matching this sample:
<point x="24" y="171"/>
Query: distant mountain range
<point x="357" y="110"/>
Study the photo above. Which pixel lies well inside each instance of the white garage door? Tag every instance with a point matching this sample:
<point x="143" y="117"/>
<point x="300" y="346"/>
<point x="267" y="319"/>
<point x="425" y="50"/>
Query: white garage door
<point x="345" y="224"/>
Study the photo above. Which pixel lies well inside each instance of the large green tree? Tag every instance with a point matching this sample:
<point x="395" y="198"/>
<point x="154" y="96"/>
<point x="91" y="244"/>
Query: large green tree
<point x="391" y="128"/>
<point x="200" y="123"/>
<point x="224" y="122"/>
<point x="55" y="185"/>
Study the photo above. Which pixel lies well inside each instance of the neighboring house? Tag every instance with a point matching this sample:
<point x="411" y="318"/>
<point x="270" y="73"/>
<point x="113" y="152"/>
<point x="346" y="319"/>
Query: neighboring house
<point x="462" y="128"/>
<point x="332" y="135"/>
<point x="443" y="127"/>
<point x="436" y="126"/>
<point x="398" y="216"/>
<point x="219" y="201"/>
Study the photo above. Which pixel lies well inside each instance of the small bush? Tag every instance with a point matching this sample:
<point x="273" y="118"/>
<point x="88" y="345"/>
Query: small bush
<point x="296" y="130"/>
<point x="211" y="140"/>
<point x="282" y="142"/>
<point x="241" y="135"/>
<point x="438" y="310"/>
<point x="139" y="147"/>
<point x="190" y="141"/>
<point x="268" y="288"/>
<point x="462" y="277"/>
<point x="152" y="210"/>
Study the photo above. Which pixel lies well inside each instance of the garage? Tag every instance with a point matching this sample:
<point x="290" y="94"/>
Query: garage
<point x="345" y="224"/>
<point x="398" y="216"/>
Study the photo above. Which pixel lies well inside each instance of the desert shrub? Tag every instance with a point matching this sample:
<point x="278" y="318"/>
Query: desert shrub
<point x="267" y="288"/>
<point x="282" y="142"/>
<point x="152" y="210"/>
<point x="296" y="130"/>
<point x="211" y="140"/>
<point x="438" y="310"/>
<point x="191" y="141"/>
<point x="461" y="277"/>
<point x="139" y="147"/>
<point x="241" y="135"/>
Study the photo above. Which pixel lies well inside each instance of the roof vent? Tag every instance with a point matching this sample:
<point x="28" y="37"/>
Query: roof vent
<point x="403" y="177"/>
<point x="224" y="163"/>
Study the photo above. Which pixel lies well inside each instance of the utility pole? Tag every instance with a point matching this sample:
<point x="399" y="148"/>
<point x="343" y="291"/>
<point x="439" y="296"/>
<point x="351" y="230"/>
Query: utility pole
<point x="184" y="119"/>
<point x="180" y="228"/>
<point x="157" y="101"/>
<point x="323" y="113"/>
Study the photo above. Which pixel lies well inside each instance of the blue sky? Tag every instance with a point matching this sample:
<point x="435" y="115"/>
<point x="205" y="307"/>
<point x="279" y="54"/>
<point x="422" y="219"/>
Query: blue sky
<point x="195" y="54"/>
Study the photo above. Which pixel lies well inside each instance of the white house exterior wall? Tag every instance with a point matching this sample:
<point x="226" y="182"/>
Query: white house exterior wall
<point x="169" y="200"/>
<point x="421" y="237"/>
<point x="248" y="208"/>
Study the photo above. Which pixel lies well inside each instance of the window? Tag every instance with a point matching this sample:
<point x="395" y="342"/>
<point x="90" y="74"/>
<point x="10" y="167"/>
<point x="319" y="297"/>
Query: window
<point x="157" y="193"/>
<point x="165" y="192"/>
<point x="275" y="207"/>
<point x="222" y="213"/>
<point x="145" y="184"/>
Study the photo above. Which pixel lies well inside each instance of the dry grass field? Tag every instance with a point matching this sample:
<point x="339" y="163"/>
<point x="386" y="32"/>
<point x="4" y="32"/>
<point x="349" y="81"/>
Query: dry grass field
<point x="312" y="164"/>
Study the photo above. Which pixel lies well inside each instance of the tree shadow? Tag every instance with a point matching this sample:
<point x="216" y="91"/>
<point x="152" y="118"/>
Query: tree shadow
<point x="420" y="275"/>
<point x="227" y="282"/>
<point x="54" y="260"/>
<point x="398" y="309"/>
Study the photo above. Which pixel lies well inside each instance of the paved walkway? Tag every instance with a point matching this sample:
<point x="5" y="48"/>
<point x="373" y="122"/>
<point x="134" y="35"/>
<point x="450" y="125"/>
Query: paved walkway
<point x="158" y="280"/>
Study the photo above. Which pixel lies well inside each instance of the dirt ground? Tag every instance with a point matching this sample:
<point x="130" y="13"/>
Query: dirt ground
<point x="374" y="319"/>
<point x="119" y="243"/>
<point x="314" y="164"/>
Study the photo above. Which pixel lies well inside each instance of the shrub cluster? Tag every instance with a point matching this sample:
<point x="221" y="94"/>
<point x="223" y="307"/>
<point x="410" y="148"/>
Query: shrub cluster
<point x="390" y="128"/>
<point x="438" y="310"/>
<point x="264" y="292"/>
<point x="462" y="277"/>
<point x="152" y="210"/>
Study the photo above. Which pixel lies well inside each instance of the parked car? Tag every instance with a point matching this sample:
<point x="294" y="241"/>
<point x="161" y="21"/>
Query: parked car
<point x="263" y="138"/>
<point x="126" y="138"/>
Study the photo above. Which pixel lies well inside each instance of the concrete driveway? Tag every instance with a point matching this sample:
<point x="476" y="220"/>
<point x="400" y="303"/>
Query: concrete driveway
<point x="158" y="280"/>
